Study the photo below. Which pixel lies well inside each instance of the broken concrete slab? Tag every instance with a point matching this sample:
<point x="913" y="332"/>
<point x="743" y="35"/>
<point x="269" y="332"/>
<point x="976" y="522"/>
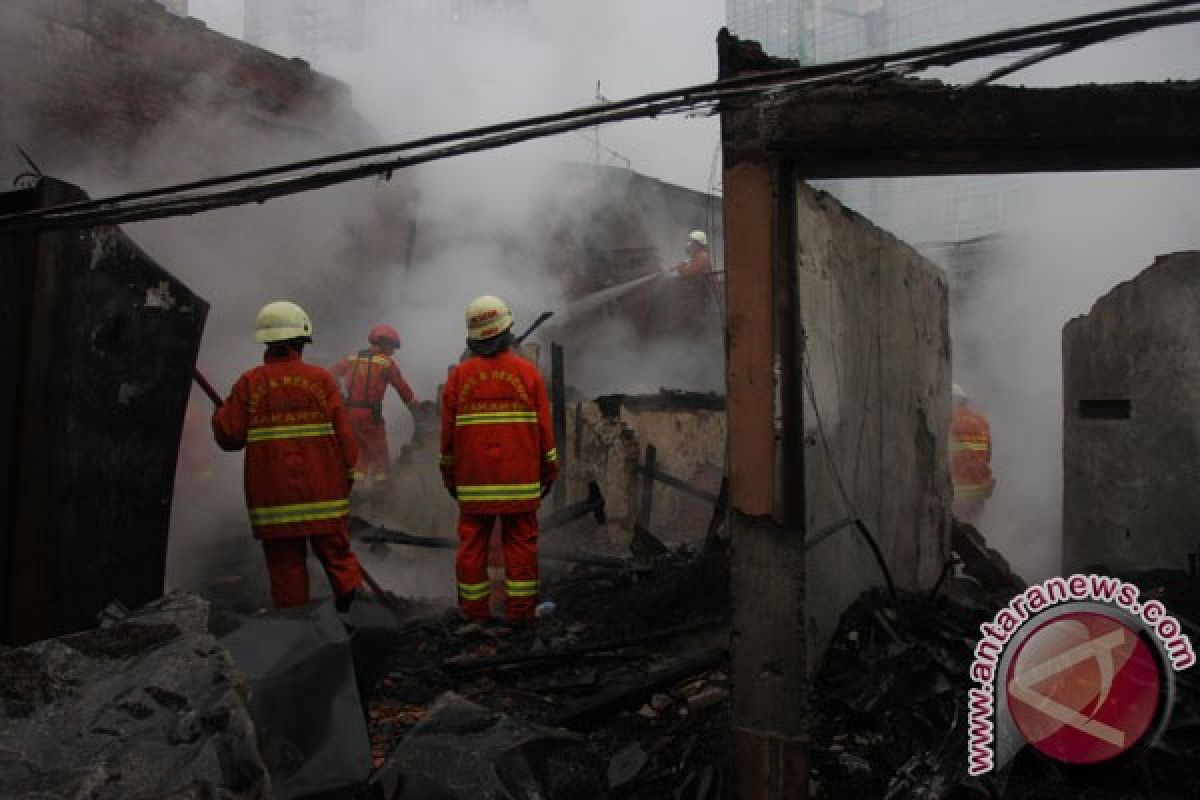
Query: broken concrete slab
<point x="151" y="706"/>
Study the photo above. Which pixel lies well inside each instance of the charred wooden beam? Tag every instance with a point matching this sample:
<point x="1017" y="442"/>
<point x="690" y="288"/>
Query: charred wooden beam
<point x="597" y="707"/>
<point x="558" y="410"/>
<point x="653" y="473"/>
<point x="909" y="127"/>
<point x="567" y="653"/>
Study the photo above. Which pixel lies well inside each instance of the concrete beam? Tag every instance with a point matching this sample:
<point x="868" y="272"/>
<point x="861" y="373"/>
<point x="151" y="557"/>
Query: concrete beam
<point x="770" y="687"/>
<point x="750" y="300"/>
<point x="927" y="128"/>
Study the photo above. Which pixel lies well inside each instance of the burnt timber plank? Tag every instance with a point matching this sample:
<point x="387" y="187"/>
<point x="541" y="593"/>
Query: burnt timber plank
<point x="910" y="127"/>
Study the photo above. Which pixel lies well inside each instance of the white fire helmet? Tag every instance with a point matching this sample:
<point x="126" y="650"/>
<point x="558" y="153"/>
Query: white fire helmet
<point x="960" y="394"/>
<point x="280" y="321"/>
<point x="699" y="237"/>
<point x="487" y="316"/>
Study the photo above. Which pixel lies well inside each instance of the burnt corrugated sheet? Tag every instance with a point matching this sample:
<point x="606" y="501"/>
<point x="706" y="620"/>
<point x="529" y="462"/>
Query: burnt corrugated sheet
<point x="97" y="346"/>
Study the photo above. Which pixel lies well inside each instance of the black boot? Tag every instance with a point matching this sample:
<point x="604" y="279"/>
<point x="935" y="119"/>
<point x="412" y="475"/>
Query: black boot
<point x="343" y="603"/>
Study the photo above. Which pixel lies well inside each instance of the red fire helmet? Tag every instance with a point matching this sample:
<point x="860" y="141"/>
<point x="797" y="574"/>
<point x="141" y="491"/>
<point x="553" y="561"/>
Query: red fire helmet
<point x="384" y="336"/>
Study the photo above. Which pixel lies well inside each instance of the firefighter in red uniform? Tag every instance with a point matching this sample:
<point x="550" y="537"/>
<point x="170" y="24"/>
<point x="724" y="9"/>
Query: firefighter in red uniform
<point x="498" y="460"/>
<point x="288" y="415"/>
<point x="698" y="285"/>
<point x="699" y="262"/>
<point x="366" y="377"/>
<point x="970" y="459"/>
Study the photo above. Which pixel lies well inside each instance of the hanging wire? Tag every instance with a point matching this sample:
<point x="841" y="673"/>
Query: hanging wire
<point x="854" y="517"/>
<point x="260" y="185"/>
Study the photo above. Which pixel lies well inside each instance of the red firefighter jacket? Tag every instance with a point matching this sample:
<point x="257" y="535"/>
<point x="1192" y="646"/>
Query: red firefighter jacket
<point x="367" y="375"/>
<point x="698" y="275"/>
<point x="971" y="453"/>
<point x="299" y="447"/>
<point x="497" y="435"/>
<point x="699" y="265"/>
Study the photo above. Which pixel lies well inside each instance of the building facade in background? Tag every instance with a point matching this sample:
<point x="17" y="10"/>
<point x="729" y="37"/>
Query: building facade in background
<point x="305" y="28"/>
<point x="315" y="29"/>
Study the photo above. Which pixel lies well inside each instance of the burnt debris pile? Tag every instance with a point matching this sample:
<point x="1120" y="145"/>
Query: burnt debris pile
<point x="891" y="711"/>
<point x="890" y="698"/>
<point x="151" y="705"/>
<point x="621" y="692"/>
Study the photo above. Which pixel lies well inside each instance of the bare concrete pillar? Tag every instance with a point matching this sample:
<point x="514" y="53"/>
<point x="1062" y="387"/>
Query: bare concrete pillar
<point x="770" y="699"/>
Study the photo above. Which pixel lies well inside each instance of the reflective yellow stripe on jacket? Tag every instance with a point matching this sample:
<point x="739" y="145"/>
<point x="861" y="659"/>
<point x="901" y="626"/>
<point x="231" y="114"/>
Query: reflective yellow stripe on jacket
<point x="380" y="360"/>
<point x="300" y="512"/>
<point x="979" y="447"/>
<point x="499" y="491"/>
<point x="277" y="432"/>
<point x="495" y="418"/>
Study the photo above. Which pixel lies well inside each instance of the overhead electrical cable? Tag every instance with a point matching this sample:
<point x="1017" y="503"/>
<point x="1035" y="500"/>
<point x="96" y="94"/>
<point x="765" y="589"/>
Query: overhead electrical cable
<point x="260" y="185"/>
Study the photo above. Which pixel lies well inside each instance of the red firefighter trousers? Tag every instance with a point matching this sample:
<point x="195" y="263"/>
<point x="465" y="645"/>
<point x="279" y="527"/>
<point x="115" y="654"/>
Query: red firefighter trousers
<point x="287" y="565"/>
<point x="519" y="532"/>
<point x="371" y="435"/>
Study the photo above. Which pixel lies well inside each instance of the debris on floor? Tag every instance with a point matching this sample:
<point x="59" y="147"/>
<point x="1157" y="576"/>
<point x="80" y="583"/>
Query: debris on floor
<point x="892" y="715"/>
<point x="151" y="705"/>
<point x="460" y="749"/>
<point x="625" y="687"/>
<point x="993" y="578"/>
<point x="319" y="744"/>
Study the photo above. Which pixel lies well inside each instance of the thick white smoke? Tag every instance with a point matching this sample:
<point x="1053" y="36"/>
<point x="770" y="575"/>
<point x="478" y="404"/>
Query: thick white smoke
<point x="1063" y="241"/>
<point x="468" y="226"/>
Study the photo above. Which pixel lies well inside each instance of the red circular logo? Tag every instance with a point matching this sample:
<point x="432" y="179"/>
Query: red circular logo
<point x="1083" y="687"/>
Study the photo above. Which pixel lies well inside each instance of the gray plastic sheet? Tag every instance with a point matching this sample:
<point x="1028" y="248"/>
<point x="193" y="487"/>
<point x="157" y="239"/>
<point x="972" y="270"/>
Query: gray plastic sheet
<point x="304" y="698"/>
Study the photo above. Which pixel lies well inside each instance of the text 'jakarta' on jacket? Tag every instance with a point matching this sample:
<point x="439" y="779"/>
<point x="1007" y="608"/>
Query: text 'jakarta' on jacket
<point x="497" y="434"/>
<point x="299" y="447"/>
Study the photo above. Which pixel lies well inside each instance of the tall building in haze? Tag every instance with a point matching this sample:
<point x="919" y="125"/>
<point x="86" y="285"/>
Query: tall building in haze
<point x="305" y="28"/>
<point x="315" y="29"/>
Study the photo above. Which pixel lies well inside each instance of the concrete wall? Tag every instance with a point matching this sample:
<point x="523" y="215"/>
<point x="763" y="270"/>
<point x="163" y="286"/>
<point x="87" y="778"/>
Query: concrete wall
<point x="98" y="84"/>
<point x="876" y="406"/>
<point x="611" y="436"/>
<point x="606" y="227"/>
<point x="1131" y="372"/>
<point x="604" y="442"/>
